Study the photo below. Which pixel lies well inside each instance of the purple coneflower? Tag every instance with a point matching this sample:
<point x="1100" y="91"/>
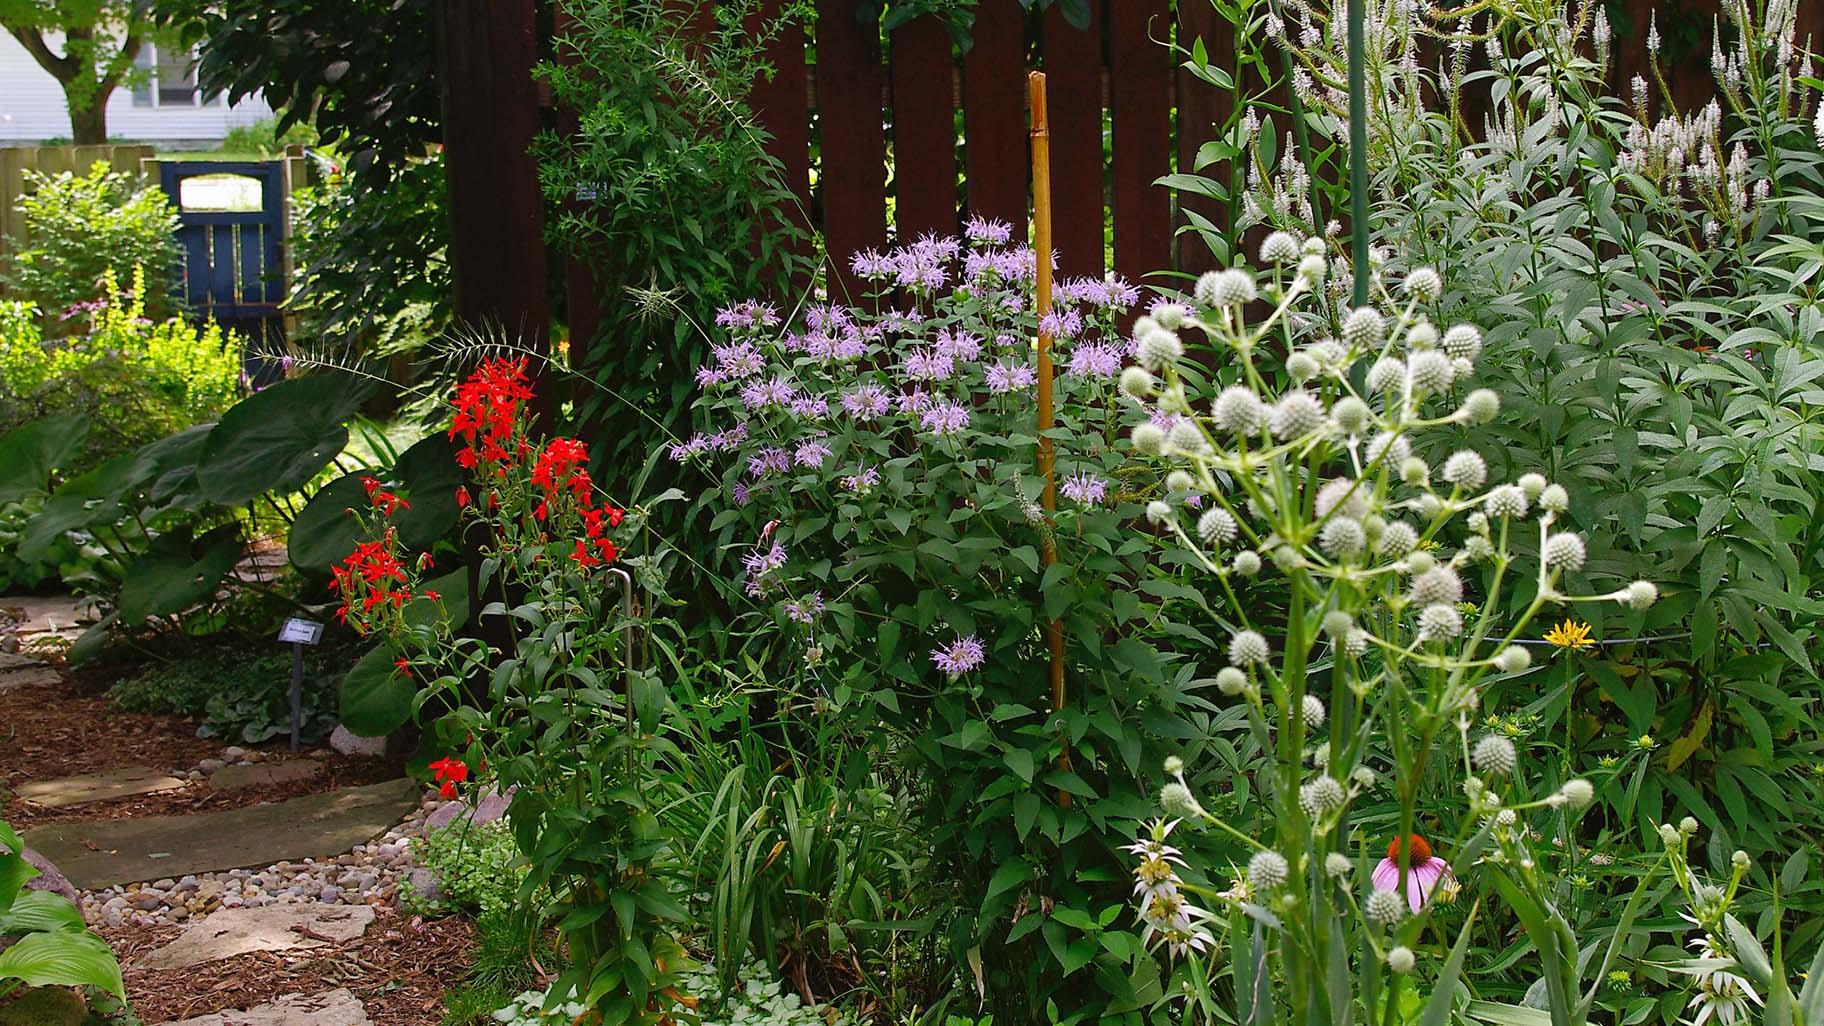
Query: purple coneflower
<point x="1427" y="872"/>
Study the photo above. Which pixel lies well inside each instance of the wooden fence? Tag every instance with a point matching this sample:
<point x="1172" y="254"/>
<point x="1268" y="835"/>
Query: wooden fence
<point x="15" y="161"/>
<point x="869" y="133"/>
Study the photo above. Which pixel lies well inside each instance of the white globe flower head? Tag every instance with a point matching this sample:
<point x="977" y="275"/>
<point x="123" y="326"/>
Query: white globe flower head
<point x="1532" y="484"/>
<point x="1159" y="512"/>
<point x="1343" y="538"/>
<point x="1430" y="371"/>
<point x="1506" y="501"/>
<point x="1174" y="765"/>
<point x="1248" y="648"/>
<point x="1641" y="594"/>
<point x="1385" y="906"/>
<point x="1564" y="552"/>
<point x="1400" y="960"/>
<point x="1420" y="563"/>
<point x="1352" y="416"/>
<point x="1466" y="470"/>
<point x="1312" y="269"/>
<point x="1321" y="796"/>
<point x="1436" y="584"/>
<point x="1217" y="527"/>
<point x="1297" y="414"/>
<point x="1279" y="248"/>
<point x="1268" y="870"/>
<point x="1463" y="342"/>
<point x="1362" y="776"/>
<point x="1344" y="492"/>
<point x="1231" y="287"/>
<point x="1554" y="499"/>
<point x="1513" y="659"/>
<point x="1314" y="246"/>
<point x="1238" y="411"/>
<point x="1231" y="681"/>
<point x="1301" y="366"/>
<point x="1390" y="447"/>
<point x="1178" y="801"/>
<point x="1424" y="285"/>
<point x="1495" y="755"/>
<point x="1246" y="563"/>
<point x="1338" y="624"/>
<point x="1137" y="382"/>
<point x="1337" y="865"/>
<point x="1397" y="539"/>
<point x="1179" y="482"/>
<point x="1159" y="349"/>
<point x="1364" y="328"/>
<point x="1578" y="793"/>
<point x="1439" y="623"/>
<point x="1313" y="711"/>
<point x="1147" y="438"/>
<point x="1387" y="374"/>
<point x="1357" y="643"/>
<point x="1480" y="406"/>
<point x="1145" y="323"/>
<point x="1421" y="336"/>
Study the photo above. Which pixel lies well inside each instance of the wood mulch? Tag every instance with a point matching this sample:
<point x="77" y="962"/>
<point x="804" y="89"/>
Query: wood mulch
<point x="399" y="970"/>
<point x="73" y="728"/>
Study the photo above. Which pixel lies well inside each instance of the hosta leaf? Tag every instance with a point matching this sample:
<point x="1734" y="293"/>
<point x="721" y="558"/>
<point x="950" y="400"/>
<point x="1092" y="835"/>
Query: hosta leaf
<point x="63" y="959"/>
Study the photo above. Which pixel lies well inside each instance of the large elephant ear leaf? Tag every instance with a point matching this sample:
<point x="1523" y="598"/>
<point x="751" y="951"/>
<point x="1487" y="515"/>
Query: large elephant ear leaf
<point x="376" y="697"/>
<point x="90" y="499"/>
<point x="324" y="531"/>
<point x="173" y="576"/>
<point x="279" y="438"/>
<point x="28" y="455"/>
<point x="429" y="476"/>
<point x="156" y="461"/>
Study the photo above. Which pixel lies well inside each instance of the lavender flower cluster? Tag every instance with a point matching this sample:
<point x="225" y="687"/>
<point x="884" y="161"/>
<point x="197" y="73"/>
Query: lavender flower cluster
<point x="808" y="412"/>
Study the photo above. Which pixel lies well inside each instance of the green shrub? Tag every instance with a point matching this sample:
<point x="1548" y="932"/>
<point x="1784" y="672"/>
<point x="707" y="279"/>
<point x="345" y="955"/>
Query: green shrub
<point x="137" y="379"/>
<point x="477" y="867"/>
<point x="264" y="138"/>
<point x="241" y="697"/>
<point x="79" y="228"/>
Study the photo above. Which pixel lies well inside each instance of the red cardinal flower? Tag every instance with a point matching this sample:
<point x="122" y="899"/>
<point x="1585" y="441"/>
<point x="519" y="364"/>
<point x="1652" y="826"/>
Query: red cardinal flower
<point x="448" y="773"/>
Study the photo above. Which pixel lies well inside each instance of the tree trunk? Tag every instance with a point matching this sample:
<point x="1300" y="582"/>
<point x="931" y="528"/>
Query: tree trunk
<point x="89" y="124"/>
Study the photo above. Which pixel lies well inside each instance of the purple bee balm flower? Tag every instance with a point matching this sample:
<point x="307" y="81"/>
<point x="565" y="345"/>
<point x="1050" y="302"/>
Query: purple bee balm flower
<point x="945" y="418"/>
<point x="861" y="481"/>
<point x="915" y="401"/>
<point x="1094" y="360"/>
<point x="746" y="316"/>
<point x="869" y="264"/>
<point x="1068" y="324"/>
<point x="959" y="657"/>
<point x="930" y="365"/>
<point x="809" y="407"/>
<point x="738" y="360"/>
<point x="707" y="376"/>
<point x="770" y="460"/>
<point x="811" y="453"/>
<point x="804" y="610"/>
<point x="1084" y="488"/>
<point x="1010" y="377"/>
<point x="723" y="441"/>
<point x="761" y="561"/>
<point x="959" y="344"/>
<point x="869" y="402"/>
<point x="989" y="232"/>
<point x="681" y="451"/>
<point x="740" y="494"/>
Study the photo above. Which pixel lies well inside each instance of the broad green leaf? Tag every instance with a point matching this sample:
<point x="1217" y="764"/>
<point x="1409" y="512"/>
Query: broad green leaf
<point x="29" y="454"/>
<point x="324" y="531"/>
<point x="376" y="698"/>
<point x="173" y="576"/>
<point x="63" y="959"/>
<point x="277" y="439"/>
<point x="33" y="911"/>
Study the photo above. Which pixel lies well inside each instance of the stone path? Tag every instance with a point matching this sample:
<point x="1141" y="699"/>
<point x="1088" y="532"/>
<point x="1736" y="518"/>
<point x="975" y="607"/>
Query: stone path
<point x="241" y="931"/>
<point x="331" y="1008"/>
<point x="49" y="617"/>
<point x="100" y="854"/>
<point x="94" y="787"/>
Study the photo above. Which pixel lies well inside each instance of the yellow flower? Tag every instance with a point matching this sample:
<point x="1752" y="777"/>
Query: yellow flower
<point x="1570" y="634"/>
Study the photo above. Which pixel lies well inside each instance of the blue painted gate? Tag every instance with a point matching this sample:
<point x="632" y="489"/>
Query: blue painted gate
<point x="231" y="223"/>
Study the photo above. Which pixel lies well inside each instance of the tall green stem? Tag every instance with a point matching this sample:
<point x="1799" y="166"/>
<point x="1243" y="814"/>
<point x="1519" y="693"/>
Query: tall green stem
<point x="1358" y="150"/>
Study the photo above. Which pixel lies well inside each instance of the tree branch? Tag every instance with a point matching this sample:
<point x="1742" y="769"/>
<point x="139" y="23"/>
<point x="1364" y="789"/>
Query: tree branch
<point x="63" y="69"/>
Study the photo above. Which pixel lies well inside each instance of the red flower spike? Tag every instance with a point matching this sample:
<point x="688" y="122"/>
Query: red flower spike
<point x="404" y="666"/>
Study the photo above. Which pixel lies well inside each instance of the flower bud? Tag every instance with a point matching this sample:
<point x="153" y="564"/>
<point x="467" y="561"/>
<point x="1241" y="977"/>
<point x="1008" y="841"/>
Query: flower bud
<point x="1247" y="563"/>
<point x="1532" y="485"/>
<point x="1136" y="382"/>
<point x="1231" y="681"/>
<point x="1578" y="793"/>
<point x="1400" y="960"/>
<point x="1512" y="659"/>
<point x="1148" y="438"/>
<point x="1415" y="472"/>
<point x="1159" y="511"/>
<point x="1174" y="766"/>
<point x="1301" y="366"/>
<point x="1424" y="285"/>
<point x="1481" y="406"/>
<point x="1179" y="482"/>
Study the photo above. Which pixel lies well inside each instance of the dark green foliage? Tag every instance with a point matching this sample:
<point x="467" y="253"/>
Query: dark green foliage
<point x="668" y="194"/>
<point x="78" y="227"/>
<point x="241" y="697"/>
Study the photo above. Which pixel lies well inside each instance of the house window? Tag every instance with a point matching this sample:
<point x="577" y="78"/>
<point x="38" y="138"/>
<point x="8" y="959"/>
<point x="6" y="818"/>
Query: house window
<point x="167" y="78"/>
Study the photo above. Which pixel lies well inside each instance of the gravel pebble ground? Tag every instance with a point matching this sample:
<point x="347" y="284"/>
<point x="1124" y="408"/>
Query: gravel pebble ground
<point x="368" y="875"/>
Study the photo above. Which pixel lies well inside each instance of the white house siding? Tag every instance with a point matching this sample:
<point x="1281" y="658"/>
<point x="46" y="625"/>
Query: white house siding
<point x="32" y="110"/>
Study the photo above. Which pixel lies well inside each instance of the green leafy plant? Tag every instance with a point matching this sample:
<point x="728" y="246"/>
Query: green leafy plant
<point x="478" y="867"/>
<point x="240" y="697"/>
<point x="79" y="228"/>
<point x="47" y="943"/>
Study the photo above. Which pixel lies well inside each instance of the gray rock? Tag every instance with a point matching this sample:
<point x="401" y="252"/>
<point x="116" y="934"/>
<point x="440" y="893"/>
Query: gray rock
<point x="348" y="742"/>
<point x="491" y="807"/>
<point x="211" y="765"/>
<point x="424" y="884"/>
<point x="234" y="753"/>
<point x="48" y="878"/>
<point x="240" y="931"/>
<point x="335" y="1008"/>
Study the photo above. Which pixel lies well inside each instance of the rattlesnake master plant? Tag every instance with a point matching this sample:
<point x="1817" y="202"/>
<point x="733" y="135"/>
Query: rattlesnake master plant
<point x="1363" y="596"/>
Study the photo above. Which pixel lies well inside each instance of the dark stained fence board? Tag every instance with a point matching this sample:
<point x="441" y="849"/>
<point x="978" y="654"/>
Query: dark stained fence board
<point x="924" y="129"/>
<point x="853" y="179"/>
<point x="1201" y="111"/>
<point x="1140" y="73"/>
<point x="1073" y="83"/>
<point x="782" y="107"/>
<point x="994" y="115"/>
<point x="583" y="310"/>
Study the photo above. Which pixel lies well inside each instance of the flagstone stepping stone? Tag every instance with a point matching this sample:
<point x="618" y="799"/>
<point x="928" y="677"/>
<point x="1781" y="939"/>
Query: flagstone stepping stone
<point x="337" y="1007"/>
<point x="27" y="677"/>
<point x="121" y="851"/>
<point x="10" y="661"/>
<point x="49" y="614"/>
<point x="234" y="778"/>
<point x="94" y="787"/>
<point x="239" y="931"/>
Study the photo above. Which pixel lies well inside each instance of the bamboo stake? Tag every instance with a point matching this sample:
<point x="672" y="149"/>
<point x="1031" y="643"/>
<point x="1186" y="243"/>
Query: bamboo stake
<point x="1048" y="499"/>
